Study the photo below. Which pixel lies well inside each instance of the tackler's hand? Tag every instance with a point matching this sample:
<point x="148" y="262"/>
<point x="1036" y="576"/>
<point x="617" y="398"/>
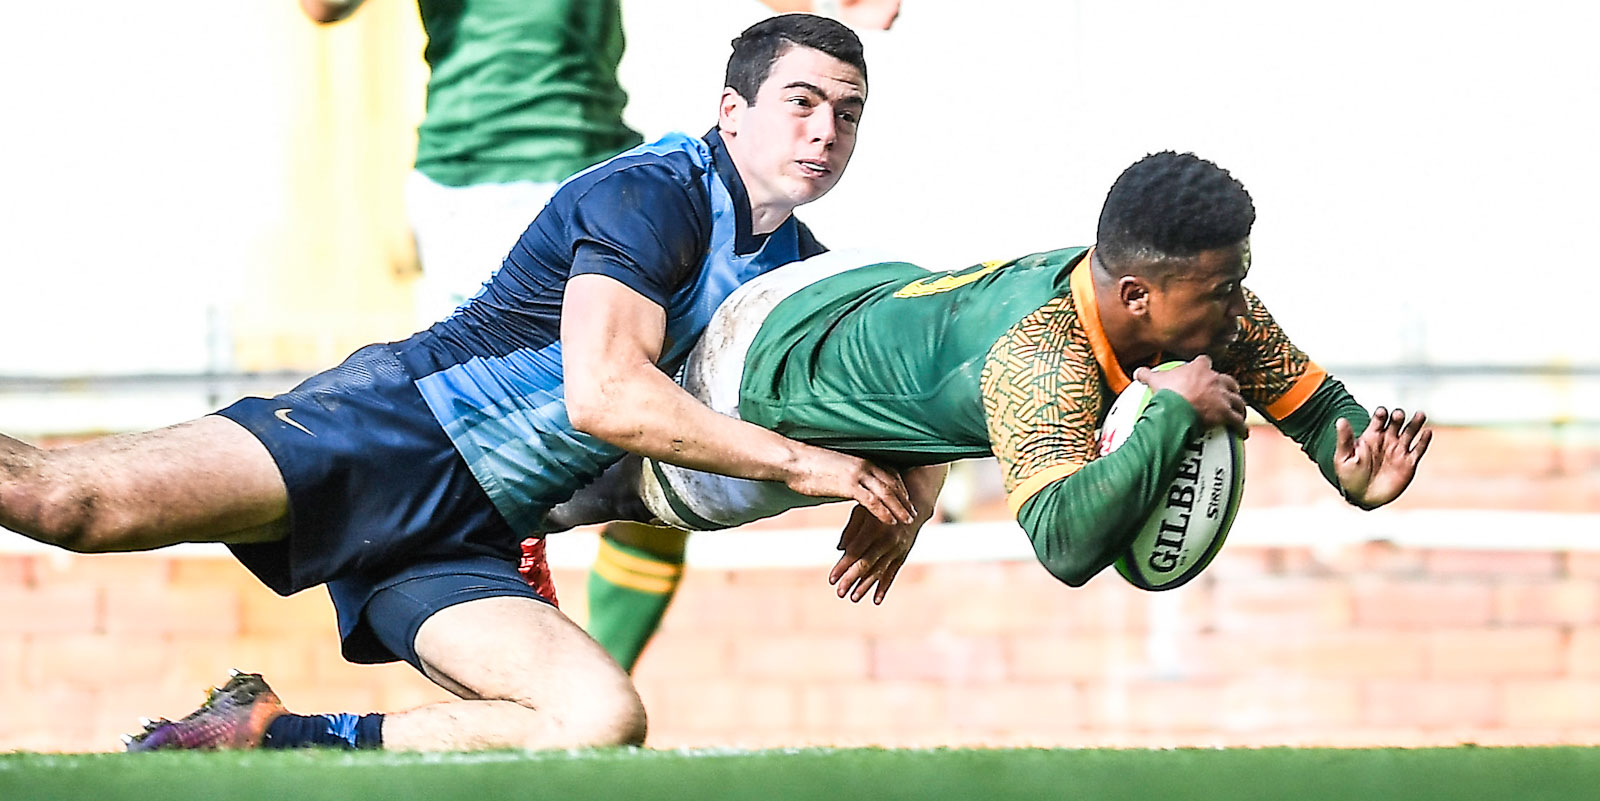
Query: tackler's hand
<point x="821" y="473"/>
<point x="1374" y="469"/>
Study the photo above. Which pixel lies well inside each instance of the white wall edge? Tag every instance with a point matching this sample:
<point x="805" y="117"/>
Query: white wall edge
<point x="1320" y="527"/>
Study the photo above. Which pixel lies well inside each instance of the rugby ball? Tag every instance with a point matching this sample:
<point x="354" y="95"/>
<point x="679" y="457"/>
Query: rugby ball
<point x="1191" y="520"/>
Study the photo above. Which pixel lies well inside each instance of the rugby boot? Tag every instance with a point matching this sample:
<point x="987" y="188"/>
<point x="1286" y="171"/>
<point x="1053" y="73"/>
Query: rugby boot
<point x="235" y="716"/>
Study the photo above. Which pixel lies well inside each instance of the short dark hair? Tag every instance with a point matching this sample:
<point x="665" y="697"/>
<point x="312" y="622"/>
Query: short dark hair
<point x="1171" y="206"/>
<point x="761" y="44"/>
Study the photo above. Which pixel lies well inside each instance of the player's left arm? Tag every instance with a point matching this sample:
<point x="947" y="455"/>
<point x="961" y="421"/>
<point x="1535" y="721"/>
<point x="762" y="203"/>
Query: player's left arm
<point x="1316" y="410"/>
<point x="874" y="551"/>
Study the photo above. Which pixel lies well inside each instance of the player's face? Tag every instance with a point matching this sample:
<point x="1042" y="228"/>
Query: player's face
<point x="792" y="144"/>
<point x="1198" y="311"/>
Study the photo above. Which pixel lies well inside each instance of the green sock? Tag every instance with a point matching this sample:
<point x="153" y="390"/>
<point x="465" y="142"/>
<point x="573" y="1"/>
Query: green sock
<point x="629" y="590"/>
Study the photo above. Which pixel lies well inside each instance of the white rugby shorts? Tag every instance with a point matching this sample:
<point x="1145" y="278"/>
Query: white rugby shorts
<point x="699" y="501"/>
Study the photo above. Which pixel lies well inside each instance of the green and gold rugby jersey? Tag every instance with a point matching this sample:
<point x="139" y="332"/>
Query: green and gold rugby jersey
<point x="521" y="90"/>
<point x="907" y="367"/>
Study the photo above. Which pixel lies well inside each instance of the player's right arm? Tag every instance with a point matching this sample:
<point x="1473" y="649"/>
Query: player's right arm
<point x="638" y="234"/>
<point x="611" y="338"/>
<point x="323" y="12"/>
<point x="1080" y="512"/>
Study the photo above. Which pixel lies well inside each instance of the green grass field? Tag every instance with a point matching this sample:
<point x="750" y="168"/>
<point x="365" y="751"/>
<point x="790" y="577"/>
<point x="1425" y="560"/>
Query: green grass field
<point x="1523" y="774"/>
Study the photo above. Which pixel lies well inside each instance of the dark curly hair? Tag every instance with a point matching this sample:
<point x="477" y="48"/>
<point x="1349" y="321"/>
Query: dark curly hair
<point x="1169" y="207"/>
<point x="761" y="44"/>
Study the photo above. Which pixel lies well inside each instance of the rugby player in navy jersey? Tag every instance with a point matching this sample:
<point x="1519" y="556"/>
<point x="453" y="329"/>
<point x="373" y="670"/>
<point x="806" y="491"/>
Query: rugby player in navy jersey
<point x="1021" y="359"/>
<point x="406" y="477"/>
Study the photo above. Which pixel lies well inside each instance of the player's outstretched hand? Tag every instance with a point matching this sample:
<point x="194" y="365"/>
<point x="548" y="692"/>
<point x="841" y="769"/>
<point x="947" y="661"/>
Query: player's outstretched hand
<point x="1214" y="396"/>
<point x="1376" y="468"/>
<point x="873" y="551"/>
<point x="822" y="473"/>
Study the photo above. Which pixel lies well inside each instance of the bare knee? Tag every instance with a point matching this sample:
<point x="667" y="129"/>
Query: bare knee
<point x="610" y="722"/>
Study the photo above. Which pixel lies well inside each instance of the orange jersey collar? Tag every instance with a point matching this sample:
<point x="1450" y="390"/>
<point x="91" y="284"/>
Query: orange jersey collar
<point x="1083" y="298"/>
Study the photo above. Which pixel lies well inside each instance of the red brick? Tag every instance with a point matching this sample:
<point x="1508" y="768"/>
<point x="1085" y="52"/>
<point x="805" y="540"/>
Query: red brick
<point x="709" y="600"/>
<point x="1419" y="603"/>
<point x="1084" y="656"/>
<point x="1583" y="564"/>
<point x="801" y="657"/>
<point x="214" y="572"/>
<point x="86" y="661"/>
<point x="204" y="661"/>
<point x="321" y="699"/>
<point x="1430" y="704"/>
<point x="16" y="570"/>
<point x="1313" y="704"/>
<point x="134" y="610"/>
<point x="1583" y="653"/>
<point x="912" y="602"/>
<point x="1382" y="558"/>
<point x="265" y="613"/>
<point x="1557" y="601"/>
<point x="1277" y="604"/>
<point x="1328" y="655"/>
<point x="12" y="649"/>
<point x="1241" y="562"/>
<point x="685" y="655"/>
<point x="55" y="719"/>
<point x="874" y="709"/>
<point x="1154" y="706"/>
<point x="726" y="706"/>
<point x="1567" y="703"/>
<point x="49" y="610"/>
<point x="406" y="690"/>
<point x="1493" y="563"/>
<point x="1030" y="708"/>
<point x="1496" y="652"/>
<point x="940" y="657"/>
<point x="143" y="570"/>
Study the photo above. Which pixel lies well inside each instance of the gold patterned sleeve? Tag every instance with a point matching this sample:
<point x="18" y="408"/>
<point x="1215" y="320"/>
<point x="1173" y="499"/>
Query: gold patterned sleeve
<point x="1042" y="397"/>
<point x="1274" y="376"/>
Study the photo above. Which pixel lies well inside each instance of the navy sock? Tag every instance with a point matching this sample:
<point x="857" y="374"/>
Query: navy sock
<point x="339" y="731"/>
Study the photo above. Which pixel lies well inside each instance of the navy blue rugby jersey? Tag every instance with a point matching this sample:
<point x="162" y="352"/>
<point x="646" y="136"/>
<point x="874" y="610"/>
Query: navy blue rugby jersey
<point x="669" y="219"/>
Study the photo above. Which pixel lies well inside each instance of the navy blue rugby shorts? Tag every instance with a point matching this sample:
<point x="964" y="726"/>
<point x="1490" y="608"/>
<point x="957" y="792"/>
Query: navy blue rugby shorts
<point x="382" y="508"/>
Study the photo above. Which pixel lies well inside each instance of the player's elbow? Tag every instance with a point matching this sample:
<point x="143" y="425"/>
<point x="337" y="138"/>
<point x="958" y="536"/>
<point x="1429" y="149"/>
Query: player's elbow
<point x="586" y="414"/>
<point x="1068" y="564"/>
<point x="592" y="411"/>
<point x="1072" y="572"/>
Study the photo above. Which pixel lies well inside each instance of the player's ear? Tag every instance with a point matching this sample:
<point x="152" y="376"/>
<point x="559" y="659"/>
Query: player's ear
<point x="1134" y="294"/>
<point x="730" y="111"/>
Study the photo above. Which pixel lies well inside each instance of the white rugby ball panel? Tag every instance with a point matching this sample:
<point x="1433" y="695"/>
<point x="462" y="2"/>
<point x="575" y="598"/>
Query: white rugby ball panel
<point x="1190" y="522"/>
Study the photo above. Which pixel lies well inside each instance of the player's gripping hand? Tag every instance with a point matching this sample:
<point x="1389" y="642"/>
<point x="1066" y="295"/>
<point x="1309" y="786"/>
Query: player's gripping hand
<point x="822" y="473"/>
<point x="1214" y="396"/>
<point x="1376" y="468"/>
<point x="874" y="552"/>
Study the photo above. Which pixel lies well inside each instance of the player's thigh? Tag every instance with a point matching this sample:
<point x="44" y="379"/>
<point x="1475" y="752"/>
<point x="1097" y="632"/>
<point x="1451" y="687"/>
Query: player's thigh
<point x="205" y="480"/>
<point x="519" y="649"/>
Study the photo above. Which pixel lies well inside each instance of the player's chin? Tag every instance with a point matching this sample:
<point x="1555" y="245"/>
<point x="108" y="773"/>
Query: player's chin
<point x="809" y="187"/>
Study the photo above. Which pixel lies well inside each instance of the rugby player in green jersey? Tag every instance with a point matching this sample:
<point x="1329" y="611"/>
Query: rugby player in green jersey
<point x="1019" y="358"/>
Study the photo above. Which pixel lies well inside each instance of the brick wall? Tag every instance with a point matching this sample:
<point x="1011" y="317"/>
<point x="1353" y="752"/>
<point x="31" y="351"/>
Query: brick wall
<point x="1357" y="644"/>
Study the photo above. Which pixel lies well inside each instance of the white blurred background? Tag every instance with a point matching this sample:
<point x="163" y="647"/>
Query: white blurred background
<point x="201" y="188"/>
